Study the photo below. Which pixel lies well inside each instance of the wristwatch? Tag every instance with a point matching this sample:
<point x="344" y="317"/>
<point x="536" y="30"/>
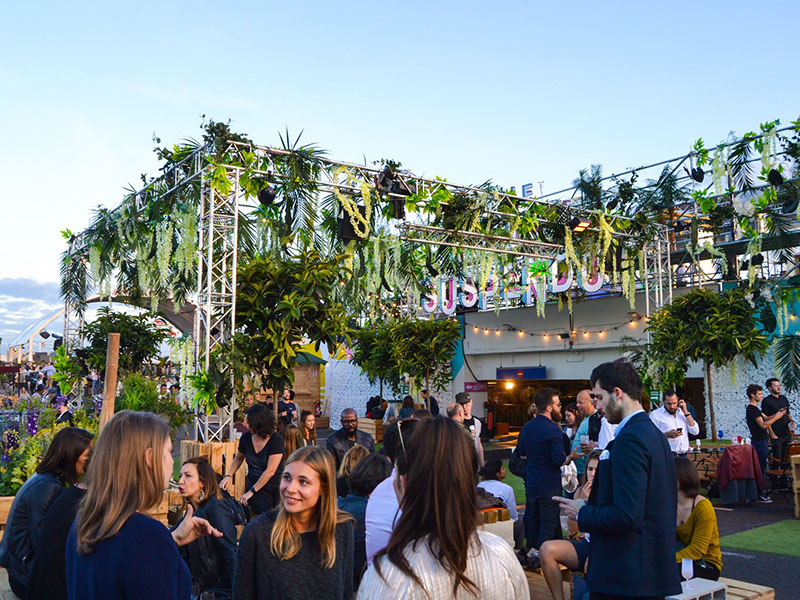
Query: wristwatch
<point x="252" y="490"/>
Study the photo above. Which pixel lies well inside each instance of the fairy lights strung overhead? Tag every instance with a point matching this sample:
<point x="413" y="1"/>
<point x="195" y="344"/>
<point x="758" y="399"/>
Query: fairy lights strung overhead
<point x="545" y="335"/>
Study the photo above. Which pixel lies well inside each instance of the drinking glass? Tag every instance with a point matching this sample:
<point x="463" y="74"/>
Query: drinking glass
<point x="687" y="570"/>
<point x="697" y="443"/>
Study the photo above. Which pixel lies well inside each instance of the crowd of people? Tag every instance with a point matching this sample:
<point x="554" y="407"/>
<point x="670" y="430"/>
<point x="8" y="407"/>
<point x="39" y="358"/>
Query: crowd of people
<point x="339" y="520"/>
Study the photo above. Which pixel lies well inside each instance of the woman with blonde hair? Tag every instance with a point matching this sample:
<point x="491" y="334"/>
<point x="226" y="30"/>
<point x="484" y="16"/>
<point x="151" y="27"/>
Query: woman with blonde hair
<point x="114" y="550"/>
<point x="304" y="548"/>
<point x="351" y="458"/>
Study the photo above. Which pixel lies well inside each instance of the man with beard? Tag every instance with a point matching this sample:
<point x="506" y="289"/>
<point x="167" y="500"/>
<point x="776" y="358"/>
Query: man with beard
<point x="339" y="442"/>
<point x="675" y="420"/>
<point x="631" y="510"/>
<point x="781" y="429"/>
<point x="544" y="447"/>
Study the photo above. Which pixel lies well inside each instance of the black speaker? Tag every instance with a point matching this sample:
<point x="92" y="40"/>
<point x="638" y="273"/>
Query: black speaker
<point x="344" y="228"/>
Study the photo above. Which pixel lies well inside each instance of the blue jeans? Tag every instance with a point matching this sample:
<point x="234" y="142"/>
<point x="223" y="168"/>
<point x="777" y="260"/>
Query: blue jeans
<point x="541" y="518"/>
<point x="762" y="450"/>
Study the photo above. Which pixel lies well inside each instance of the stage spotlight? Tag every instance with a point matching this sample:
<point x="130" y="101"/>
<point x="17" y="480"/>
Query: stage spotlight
<point x="579" y="224"/>
<point x="266" y="195"/>
<point x="774" y="177"/>
<point x="44" y="335"/>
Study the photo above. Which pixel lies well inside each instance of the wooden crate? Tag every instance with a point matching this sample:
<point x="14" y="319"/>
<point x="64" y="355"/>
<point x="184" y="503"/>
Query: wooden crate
<point x="796" y="504"/>
<point x="220" y="455"/>
<point x="169" y="499"/>
<point x="741" y="590"/>
<point x="368" y="426"/>
<point x="5" y="508"/>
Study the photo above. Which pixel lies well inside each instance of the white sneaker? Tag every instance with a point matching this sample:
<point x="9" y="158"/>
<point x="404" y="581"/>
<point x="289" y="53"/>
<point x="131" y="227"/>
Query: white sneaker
<point x="765" y="499"/>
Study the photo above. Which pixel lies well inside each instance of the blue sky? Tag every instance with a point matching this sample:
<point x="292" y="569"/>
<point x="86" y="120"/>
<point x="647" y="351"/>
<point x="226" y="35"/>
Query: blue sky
<point x="511" y="91"/>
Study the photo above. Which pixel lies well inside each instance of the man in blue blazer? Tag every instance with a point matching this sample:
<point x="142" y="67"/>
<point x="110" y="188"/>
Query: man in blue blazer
<point x="630" y="514"/>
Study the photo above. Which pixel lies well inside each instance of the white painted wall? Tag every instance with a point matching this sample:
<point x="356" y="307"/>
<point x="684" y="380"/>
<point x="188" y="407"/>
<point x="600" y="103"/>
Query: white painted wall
<point x="729" y="385"/>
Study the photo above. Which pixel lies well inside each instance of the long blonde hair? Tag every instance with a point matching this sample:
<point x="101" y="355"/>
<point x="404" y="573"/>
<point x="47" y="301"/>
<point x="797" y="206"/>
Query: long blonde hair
<point x="350" y="460"/>
<point x="119" y="481"/>
<point x="285" y="541"/>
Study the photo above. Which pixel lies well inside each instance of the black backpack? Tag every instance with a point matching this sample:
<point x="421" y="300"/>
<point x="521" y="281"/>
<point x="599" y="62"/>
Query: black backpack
<point x="238" y="512"/>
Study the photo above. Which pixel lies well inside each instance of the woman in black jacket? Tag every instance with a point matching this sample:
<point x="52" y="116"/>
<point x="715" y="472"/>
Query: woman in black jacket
<point x="211" y="560"/>
<point x="63" y="464"/>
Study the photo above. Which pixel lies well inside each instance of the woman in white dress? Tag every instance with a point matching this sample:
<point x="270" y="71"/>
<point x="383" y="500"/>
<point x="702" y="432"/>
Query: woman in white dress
<point x="436" y="549"/>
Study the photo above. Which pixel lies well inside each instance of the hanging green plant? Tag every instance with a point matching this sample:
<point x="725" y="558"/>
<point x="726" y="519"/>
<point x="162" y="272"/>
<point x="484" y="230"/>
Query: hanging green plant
<point x="164" y="252"/>
<point x="205" y="392"/>
<point x="359" y="222"/>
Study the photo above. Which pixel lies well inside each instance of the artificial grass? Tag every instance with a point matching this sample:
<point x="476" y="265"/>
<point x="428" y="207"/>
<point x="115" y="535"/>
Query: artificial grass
<point x="515" y="482"/>
<point x="777" y="538"/>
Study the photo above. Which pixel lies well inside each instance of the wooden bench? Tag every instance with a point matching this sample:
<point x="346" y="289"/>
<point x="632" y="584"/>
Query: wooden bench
<point x="741" y="590"/>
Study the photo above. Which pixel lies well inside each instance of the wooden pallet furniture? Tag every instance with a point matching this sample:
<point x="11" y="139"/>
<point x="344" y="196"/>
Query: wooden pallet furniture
<point x="741" y="590"/>
<point x="220" y="455"/>
<point x="5" y="508"/>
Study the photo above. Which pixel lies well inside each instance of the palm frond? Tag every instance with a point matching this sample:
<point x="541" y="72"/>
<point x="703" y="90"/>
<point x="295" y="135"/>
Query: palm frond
<point x="787" y="359"/>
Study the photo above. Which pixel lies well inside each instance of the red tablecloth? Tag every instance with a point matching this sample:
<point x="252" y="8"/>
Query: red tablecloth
<point x="739" y="462"/>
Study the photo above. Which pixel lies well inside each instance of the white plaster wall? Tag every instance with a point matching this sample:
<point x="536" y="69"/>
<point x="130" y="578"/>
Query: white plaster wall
<point x="730" y="398"/>
<point x="346" y="387"/>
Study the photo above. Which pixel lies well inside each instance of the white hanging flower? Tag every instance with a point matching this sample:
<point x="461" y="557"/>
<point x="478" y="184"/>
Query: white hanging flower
<point x="767" y="294"/>
<point x="743" y="207"/>
<point x="749" y="297"/>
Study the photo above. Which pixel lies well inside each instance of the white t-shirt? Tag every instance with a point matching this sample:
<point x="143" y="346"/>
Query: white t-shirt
<point x="383" y="511"/>
<point x="505" y="492"/>
<point x="607" y="431"/>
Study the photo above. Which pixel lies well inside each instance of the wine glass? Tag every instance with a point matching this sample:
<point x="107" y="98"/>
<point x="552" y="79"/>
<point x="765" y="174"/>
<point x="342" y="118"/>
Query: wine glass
<point x="687" y="570"/>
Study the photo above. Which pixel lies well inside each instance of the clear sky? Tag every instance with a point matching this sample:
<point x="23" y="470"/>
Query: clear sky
<point x="511" y="91"/>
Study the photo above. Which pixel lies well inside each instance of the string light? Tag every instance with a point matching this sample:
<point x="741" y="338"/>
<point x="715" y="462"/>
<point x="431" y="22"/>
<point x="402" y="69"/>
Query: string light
<point x="485" y="332"/>
<point x="475" y="329"/>
<point x="497" y="332"/>
<point x="585" y="334"/>
<point x="521" y="333"/>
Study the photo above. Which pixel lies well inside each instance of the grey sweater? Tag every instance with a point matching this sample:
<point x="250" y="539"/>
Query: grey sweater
<point x="260" y="575"/>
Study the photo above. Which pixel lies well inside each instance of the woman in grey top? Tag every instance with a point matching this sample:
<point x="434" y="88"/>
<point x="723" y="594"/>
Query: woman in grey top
<point x="436" y="549"/>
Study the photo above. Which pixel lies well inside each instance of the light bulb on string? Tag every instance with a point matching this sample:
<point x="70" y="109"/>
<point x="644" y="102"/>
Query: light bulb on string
<point x="521" y="333"/>
<point x="545" y="337"/>
<point x="497" y="331"/>
<point x="475" y="329"/>
<point x="485" y="332"/>
<point x="585" y="334"/>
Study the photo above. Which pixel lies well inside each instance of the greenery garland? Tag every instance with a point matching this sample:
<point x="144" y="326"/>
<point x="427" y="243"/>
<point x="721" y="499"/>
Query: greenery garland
<point x="360" y="223"/>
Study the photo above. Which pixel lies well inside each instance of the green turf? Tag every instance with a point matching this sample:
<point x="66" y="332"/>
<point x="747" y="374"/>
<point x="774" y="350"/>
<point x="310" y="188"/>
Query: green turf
<point x="778" y="538"/>
<point x="515" y="482"/>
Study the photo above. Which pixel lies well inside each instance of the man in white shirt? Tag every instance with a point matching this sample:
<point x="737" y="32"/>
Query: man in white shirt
<point x="675" y="420"/>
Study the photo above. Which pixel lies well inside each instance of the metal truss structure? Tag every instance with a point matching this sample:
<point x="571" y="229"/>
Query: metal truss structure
<point x="215" y="316"/>
<point x="218" y="219"/>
